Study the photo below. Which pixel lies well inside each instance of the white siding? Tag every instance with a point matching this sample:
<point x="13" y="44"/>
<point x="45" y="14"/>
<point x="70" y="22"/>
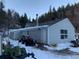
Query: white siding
<point x="44" y="35"/>
<point x="54" y="32"/>
<point x="35" y="34"/>
<point x="39" y="35"/>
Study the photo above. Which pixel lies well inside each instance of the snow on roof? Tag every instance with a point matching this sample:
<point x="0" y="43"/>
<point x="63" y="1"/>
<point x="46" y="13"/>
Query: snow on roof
<point x="29" y="28"/>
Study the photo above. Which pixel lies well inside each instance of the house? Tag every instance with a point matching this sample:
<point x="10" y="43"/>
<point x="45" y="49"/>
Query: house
<point x="59" y="31"/>
<point x="37" y="33"/>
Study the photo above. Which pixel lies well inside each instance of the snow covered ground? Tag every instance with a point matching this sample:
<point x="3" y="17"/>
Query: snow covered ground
<point x="42" y="54"/>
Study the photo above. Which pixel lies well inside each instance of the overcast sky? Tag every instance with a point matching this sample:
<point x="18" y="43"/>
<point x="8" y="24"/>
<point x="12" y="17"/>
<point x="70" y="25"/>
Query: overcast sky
<point x="32" y="7"/>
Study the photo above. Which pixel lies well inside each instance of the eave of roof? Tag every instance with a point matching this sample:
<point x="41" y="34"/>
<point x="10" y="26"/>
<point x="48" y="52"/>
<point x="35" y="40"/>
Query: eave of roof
<point x="29" y="28"/>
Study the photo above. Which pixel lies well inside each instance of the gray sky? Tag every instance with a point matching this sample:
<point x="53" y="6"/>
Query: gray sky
<point x="32" y="7"/>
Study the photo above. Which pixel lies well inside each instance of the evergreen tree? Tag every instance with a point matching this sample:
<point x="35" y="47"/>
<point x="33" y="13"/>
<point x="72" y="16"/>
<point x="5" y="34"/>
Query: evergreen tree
<point x="55" y="13"/>
<point x="23" y="20"/>
<point x="1" y="5"/>
<point x="3" y="16"/>
<point x="68" y="7"/>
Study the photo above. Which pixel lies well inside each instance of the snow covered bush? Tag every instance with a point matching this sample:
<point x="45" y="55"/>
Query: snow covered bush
<point x="54" y="45"/>
<point x="15" y="52"/>
<point x="39" y="44"/>
<point x="7" y="50"/>
<point x="27" y="40"/>
<point x="75" y="43"/>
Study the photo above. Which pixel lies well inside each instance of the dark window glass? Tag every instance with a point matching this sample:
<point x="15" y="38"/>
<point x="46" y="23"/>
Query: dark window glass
<point x="64" y="36"/>
<point x="63" y="31"/>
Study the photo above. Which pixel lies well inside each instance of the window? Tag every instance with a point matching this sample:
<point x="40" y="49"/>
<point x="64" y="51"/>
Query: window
<point x="28" y="33"/>
<point x="64" y="34"/>
<point x="63" y="31"/>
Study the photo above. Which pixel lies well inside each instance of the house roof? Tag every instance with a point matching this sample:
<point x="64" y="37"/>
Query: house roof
<point x="46" y="23"/>
<point x="29" y="28"/>
<point x="51" y="22"/>
<point x="41" y="26"/>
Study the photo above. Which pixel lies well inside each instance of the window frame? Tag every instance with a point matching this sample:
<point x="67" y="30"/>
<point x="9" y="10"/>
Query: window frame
<point x="64" y="34"/>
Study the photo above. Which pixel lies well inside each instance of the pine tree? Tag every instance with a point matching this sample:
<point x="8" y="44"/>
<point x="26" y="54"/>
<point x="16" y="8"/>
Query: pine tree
<point x="23" y="20"/>
<point x="1" y="5"/>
